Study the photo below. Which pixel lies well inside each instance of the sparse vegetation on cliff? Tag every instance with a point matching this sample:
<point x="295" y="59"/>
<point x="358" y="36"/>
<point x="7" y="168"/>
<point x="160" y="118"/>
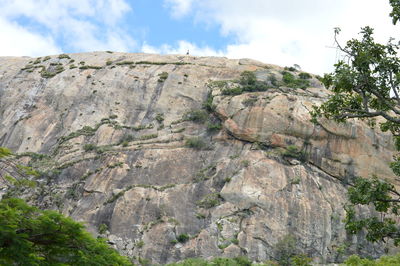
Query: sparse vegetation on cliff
<point x="293" y="151"/>
<point x="64" y="56"/>
<point x="196" y="143"/>
<point x="247" y="83"/>
<point x="292" y="81"/>
<point x="210" y="200"/>
<point x="162" y="168"/>
<point x="162" y="77"/>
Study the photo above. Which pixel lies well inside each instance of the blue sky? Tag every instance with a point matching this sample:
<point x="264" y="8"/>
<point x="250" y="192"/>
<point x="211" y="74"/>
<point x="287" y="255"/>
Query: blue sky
<point x="284" y="32"/>
<point x="155" y="25"/>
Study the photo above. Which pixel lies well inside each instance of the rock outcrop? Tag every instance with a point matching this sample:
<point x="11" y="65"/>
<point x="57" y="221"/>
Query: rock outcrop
<point x="125" y="144"/>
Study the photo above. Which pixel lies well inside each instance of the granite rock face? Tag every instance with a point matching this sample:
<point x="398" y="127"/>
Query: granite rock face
<point x="125" y="145"/>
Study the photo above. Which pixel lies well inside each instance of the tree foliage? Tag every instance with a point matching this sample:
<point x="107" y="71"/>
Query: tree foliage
<point x="29" y="236"/>
<point x="354" y="260"/>
<point x="395" y="14"/>
<point x="366" y="85"/>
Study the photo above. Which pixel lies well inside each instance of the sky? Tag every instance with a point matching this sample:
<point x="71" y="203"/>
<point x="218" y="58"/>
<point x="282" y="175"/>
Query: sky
<point x="282" y="32"/>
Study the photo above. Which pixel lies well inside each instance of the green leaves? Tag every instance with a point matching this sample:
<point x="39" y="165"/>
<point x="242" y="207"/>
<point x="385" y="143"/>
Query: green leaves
<point x="385" y="199"/>
<point x="372" y="191"/>
<point x="354" y="260"/>
<point x="395" y="14"/>
<point x="365" y="83"/>
<point x="293" y="82"/>
<point x="247" y="78"/>
<point x="29" y="236"/>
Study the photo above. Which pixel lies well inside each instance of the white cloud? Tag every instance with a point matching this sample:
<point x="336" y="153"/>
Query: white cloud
<point x="81" y="25"/>
<point x="17" y="41"/>
<point x="288" y="32"/>
<point x="179" y="8"/>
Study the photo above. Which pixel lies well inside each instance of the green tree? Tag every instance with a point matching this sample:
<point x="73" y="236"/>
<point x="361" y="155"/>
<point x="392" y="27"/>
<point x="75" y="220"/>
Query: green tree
<point x="365" y="85"/>
<point x="29" y="236"/>
<point x="354" y="260"/>
<point x="287" y="255"/>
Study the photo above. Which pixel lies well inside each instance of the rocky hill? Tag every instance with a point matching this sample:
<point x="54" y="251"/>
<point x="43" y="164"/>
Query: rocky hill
<point x="171" y="157"/>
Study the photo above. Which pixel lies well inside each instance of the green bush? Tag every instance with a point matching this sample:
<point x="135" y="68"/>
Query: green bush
<point x="300" y="260"/>
<point x="126" y="139"/>
<point x="144" y="261"/>
<point x="248" y="83"/>
<point x="232" y="91"/>
<point x="62" y="56"/>
<point x="295" y="181"/>
<point x="290" y="80"/>
<point x="285" y="249"/>
<point x="114" y="197"/>
<point x="208" y="104"/>
<point x="292" y="69"/>
<point x="214" y="126"/>
<point x="196" y="143"/>
<point x="197" y="116"/>
<point x="210" y="201"/>
<point x="355" y="260"/>
<point x="49" y="74"/>
<point x="294" y="152"/>
<point x="147" y="137"/>
<point x="160" y="117"/>
<point x="223" y="246"/>
<point x="182" y="238"/>
<point x="125" y="63"/>
<point x="249" y="101"/>
<point x="258" y="86"/>
<point x="162" y="77"/>
<point x="287" y="255"/>
<point x="274" y="81"/>
<point x="89" y="147"/>
<point x="90" y="67"/>
<point x="140" y="244"/>
<point x="248" y="78"/>
<point x="245" y="163"/>
<point x="200" y="216"/>
<point x="102" y="228"/>
<point x="239" y="261"/>
<point x="304" y="75"/>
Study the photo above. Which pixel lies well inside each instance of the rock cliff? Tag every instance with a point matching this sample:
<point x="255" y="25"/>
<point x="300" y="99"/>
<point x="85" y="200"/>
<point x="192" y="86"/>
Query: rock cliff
<point x="171" y="157"/>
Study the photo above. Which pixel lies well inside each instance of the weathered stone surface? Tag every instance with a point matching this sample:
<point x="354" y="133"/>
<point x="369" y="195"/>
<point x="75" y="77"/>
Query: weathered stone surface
<point x="282" y="119"/>
<point x="116" y="155"/>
